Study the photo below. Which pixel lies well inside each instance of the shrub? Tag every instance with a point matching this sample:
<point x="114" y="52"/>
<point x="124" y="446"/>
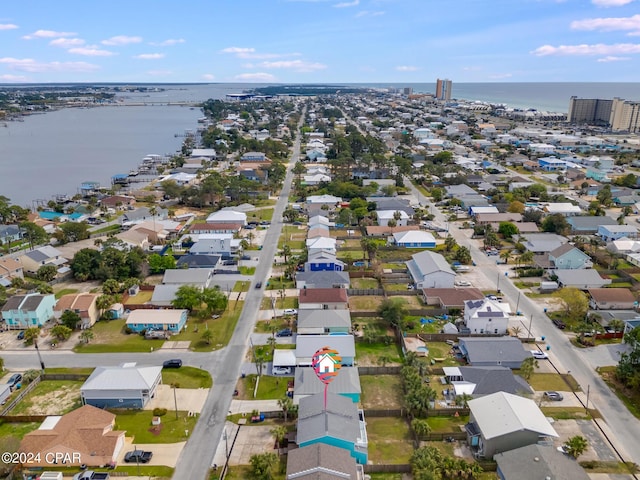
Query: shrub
<point x="159" y="412"/>
<point x="128" y="330"/>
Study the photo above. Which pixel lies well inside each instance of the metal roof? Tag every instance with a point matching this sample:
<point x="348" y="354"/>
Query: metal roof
<point x="124" y="377"/>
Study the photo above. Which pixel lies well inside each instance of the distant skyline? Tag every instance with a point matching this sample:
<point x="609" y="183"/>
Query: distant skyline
<point x="319" y="41"/>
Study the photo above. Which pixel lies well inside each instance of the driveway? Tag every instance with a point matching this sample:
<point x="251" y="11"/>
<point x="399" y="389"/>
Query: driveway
<point x="163" y="453"/>
<point x="598" y="448"/>
<point x="242" y="442"/>
<point x="188" y="399"/>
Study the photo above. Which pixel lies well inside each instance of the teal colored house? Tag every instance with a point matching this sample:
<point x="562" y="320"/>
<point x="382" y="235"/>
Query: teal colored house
<point x="26" y="311"/>
<point x="568" y="257"/>
<point x="340" y="424"/>
<point x="170" y="321"/>
<point x="346" y="383"/>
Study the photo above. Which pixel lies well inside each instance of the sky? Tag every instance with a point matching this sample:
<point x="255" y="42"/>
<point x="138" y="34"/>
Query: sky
<point x="319" y="41"/>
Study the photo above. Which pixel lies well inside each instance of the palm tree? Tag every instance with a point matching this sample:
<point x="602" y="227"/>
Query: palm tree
<point x="207" y="336"/>
<point x="516" y="330"/>
<point x="86" y="336"/>
<point x="420" y="427"/>
<point x="576" y="446"/>
<point x="505" y="256"/>
<point x="286" y="404"/>
<point x="279" y="433"/>
<point x="617" y="325"/>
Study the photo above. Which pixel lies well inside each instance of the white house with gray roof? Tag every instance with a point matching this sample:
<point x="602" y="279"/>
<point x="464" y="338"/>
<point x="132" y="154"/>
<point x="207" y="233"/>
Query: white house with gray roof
<point x="124" y="386"/>
<point x="480" y="381"/>
<point x="200" y="277"/>
<point x="485" y="316"/>
<point x="537" y="462"/>
<point x="495" y="351"/>
<point x="308" y="345"/>
<point x="346" y="383"/>
<point x="320" y="322"/>
<point x="501" y="422"/>
<point x="430" y="270"/>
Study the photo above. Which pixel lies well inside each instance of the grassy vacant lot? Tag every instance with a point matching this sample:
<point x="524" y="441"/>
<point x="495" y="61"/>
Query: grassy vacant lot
<point x="552" y="381"/>
<point x="187" y="377"/>
<point x="66" y="291"/>
<point x="51" y="397"/>
<point x="447" y="424"/>
<point x="269" y="388"/>
<point x="375" y="353"/>
<point x="568" y="413"/>
<point x="243" y="472"/>
<point x="222" y="329"/>
<point x="143" y="296"/>
<point x="137" y="424"/>
<point x="365" y="303"/>
<point x="389" y="440"/>
<point x="287" y="302"/>
<point x="631" y="398"/>
<point x="241" y="287"/>
<point x="265" y="214"/>
<point x="272" y="326"/>
<point x="381" y="391"/>
<point x="109" y="337"/>
<point x="350" y="255"/>
<point x="364" y="283"/>
<point x="17" y="430"/>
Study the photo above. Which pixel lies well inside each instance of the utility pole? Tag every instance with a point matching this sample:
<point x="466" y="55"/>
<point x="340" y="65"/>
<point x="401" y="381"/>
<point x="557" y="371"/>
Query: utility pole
<point x="35" y="343"/>
<point x="175" y="399"/>
<point x="530" y="322"/>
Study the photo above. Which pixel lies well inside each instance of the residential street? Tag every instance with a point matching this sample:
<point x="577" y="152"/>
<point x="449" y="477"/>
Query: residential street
<point x="565" y="356"/>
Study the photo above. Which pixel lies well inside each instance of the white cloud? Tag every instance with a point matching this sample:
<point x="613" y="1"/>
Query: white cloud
<point x="297" y="65"/>
<point x="584" y="49"/>
<point x="237" y="50"/>
<point x="48" y="34"/>
<point x="611" y="58"/>
<point x="13" y="78"/>
<point x="91" y="51"/>
<point x="367" y="13"/>
<point x="208" y="76"/>
<point x="30" y="65"/>
<point x="256" y="77"/>
<point x="67" y="42"/>
<point x="149" y="56"/>
<point x="168" y="43"/>
<point x="608" y="24"/>
<point x="354" y="3"/>
<point x="611" y="3"/>
<point x="120" y="40"/>
<point x="406" y="68"/>
<point x="8" y="26"/>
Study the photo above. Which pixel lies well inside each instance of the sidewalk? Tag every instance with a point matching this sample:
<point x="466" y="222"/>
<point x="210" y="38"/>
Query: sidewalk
<point x="248" y="406"/>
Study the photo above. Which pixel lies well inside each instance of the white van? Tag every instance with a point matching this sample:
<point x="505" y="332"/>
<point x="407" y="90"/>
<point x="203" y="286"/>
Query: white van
<point x="51" y="476"/>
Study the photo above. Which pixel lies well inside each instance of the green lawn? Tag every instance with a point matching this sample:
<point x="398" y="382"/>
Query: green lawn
<point x="271" y="326"/>
<point x="446" y="424"/>
<point x="109" y="337"/>
<point x="222" y="329"/>
<point x="241" y="286"/>
<point x="17" y="430"/>
<point x="568" y="413"/>
<point x="143" y="296"/>
<point x="187" y="377"/>
<point x="65" y="291"/>
<point x="630" y="397"/>
<point x="552" y="381"/>
<point x="247" y="271"/>
<point x="269" y="388"/>
<point x="350" y="255"/>
<point x="78" y="371"/>
<point x="57" y="397"/>
<point x="289" y="302"/>
<point x="381" y="391"/>
<point x="364" y="283"/>
<point x="374" y="353"/>
<point x="264" y="214"/>
<point x="137" y="424"/>
<point x="365" y="303"/>
<point x="390" y="440"/>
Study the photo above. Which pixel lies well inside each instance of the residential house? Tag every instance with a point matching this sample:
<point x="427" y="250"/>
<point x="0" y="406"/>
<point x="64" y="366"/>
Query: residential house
<point x="430" y="270"/>
<point x="9" y="234"/>
<point x="222" y="244"/>
<point x="542" y="242"/>
<point x="308" y="345"/>
<point x="323" y="261"/>
<point x="624" y="245"/>
<point x="85" y="434"/>
<point x="321" y="245"/>
<point x="320" y="322"/>
<point x="414" y="239"/>
<point x="208" y="153"/>
<point x="258" y="174"/>
<point x="581" y="279"/>
<point x="318" y="231"/>
<point x="254" y="157"/>
<point x="198" y="261"/>
<point x="491" y="218"/>
<point x="319" y="200"/>
<point x="535" y="462"/>
<point x="475" y="210"/>
<point x="339" y="423"/>
<point x="398" y="216"/>
<point x="345" y="383"/>
<point x="612" y="299"/>
<point x="228" y="216"/>
<point x="496" y="351"/>
<point x="34" y="259"/>
<point x="124" y="386"/>
<point x="548" y="164"/>
<point x="450" y="297"/>
<point x="118" y="202"/>
<point x="480" y="381"/>
<point x="84" y="304"/>
<point x="568" y="257"/>
<point x="588" y="224"/>
<point x="459" y="191"/>
<point x="378" y="231"/>
<point x="393" y="204"/>
<point x="9" y="269"/>
<point x="323" y="299"/>
<point x="501" y="422"/>
<point x="191" y="276"/>
<point x="485" y="316"/>
<point x="609" y="233"/>
<point x="320" y="461"/>
<point x="164" y="295"/>
<point x="319" y="220"/>
<point x="322" y="279"/>
<point x="30" y="310"/>
<point x="170" y="321"/>
<point x="198" y="228"/>
<point x="315" y="180"/>
<point x="144" y="213"/>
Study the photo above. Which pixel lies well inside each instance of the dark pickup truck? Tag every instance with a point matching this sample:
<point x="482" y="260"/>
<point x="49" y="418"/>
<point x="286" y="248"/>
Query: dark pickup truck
<point x="91" y="475"/>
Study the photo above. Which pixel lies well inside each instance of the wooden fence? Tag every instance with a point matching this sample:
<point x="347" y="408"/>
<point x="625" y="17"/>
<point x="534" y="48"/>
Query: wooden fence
<point x="23" y="392"/>
<point x="380" y="468"/>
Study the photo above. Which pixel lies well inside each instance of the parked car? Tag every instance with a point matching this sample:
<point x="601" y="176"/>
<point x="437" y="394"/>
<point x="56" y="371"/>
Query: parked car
<point x="492" y="297"/>
<point x="553" y="396"/>
<point x="20" y="335"/>
<point x="285" y="332"/>
<point x="281" y="370"/>
<point x="290" y="311"/>
<point x="539" y="355"/>
<point x="173" y="363"/>
<point x="14" y="381"/>
<point x="559" y="323"/>
<point x="138" y="456"/>
<point x="463" y="283"/>
<point x="259" y="285"/>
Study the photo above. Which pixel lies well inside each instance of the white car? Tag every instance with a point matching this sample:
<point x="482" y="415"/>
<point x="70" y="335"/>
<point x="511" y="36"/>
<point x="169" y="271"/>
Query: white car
<point x="281" y="370"/>
<point x="463" y="283"/>
<point x="539" y="355"/>
<point x="290" y="311"/>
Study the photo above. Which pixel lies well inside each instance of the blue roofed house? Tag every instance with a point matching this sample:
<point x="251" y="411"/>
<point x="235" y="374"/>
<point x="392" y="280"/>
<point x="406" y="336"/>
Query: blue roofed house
<point x="340" y="424"/>
<point x="346" y="383"/>
<point x="124" y="386"/>
<point x="552" y="164"/>
<point x="30" y="310"/>
<point x="430" y="270"/>
<point x="170" y="321"/>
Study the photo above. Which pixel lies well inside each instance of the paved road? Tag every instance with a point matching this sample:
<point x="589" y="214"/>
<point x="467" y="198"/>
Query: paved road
<point x="197" y="457"/>
<point x="565" y="356"/>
